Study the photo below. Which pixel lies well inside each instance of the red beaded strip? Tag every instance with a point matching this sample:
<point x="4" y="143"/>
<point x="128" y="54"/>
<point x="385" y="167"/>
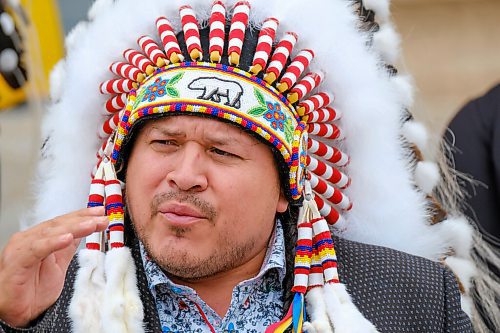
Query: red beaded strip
<point x="324" y="243"/>
<point x="303" y="257"/>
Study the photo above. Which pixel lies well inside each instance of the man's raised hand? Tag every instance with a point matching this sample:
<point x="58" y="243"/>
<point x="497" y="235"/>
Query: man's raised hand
<point x="34" y="262"/>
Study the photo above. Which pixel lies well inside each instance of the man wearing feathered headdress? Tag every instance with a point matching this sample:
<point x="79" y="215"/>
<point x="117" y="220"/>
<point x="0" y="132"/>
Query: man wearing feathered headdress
<point x="223" y="168"/>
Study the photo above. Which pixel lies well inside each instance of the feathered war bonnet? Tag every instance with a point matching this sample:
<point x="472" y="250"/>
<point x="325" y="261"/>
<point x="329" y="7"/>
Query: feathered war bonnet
<point x="317" y="88"/>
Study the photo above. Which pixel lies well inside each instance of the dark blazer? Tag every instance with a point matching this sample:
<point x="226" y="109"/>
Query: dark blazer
<point x="397" y="292"/>
<point x="476" y="129"/>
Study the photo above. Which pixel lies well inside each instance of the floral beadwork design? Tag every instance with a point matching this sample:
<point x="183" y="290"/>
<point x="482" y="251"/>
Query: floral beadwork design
<point x="159" y="88"/>
<point x="271" y="111"/>
<point x="275" y="116"/>
<point x="156" y="89"/>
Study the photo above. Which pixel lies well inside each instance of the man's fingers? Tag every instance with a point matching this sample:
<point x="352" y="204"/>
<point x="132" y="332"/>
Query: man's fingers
<point x="56" y="238"/>
<point x="40" y="249"/>
<point x="69" y="218"/>
<point x="92" y="211"/>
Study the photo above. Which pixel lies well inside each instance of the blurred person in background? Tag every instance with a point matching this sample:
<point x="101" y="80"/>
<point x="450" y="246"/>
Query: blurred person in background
<point x="475" y="131"/>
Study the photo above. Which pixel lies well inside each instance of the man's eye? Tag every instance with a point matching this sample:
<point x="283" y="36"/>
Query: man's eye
<point x="164" y="145"/>
<point x="221" y="152"/>
<point x="164" y="142"/>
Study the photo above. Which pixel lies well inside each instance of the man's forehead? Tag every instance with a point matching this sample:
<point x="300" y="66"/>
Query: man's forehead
<point x="187" y="126"/>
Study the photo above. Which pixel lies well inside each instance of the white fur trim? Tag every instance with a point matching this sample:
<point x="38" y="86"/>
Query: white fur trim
<point x="122" y="307"/>
<point x="427" y="176"/>
<point x="99" y="7"/>
<point x="416" y="133"/>
<point x="316" y="309"/>
<point x="74" y="35"/>
<point x="458" y="234"/>
<point x="464" y="269"/>
<point x="380" y="7"/>
<point x="467" y="305"/>
<point x="386" y="42"/>
<point x="404" y="85"/>
<point x="85" y="307"/>
<point x="56" y="80"/>
<point x="343" y="314"/>
<point x="307" y="327"/>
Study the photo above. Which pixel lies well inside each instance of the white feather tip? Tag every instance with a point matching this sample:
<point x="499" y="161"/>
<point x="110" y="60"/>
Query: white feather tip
<point x="386" y="41"/>
<point x="427" y="176"/>
<point x="464" y="269"/>
<point x="84" y="309"/>
<point x="343" y="314"/>
<point x="56" y="80"/>
<point x="380" y="7"/>
<point x="122" y="307"/>
<point x="416" y="133"/>
<point x="404" y="87"/>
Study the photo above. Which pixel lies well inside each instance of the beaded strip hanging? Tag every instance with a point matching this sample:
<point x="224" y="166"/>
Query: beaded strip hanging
<point x="313" y="158"/>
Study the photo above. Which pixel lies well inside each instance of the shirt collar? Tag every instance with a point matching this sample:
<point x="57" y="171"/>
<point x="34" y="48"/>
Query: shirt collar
<point x="274" y="259"/>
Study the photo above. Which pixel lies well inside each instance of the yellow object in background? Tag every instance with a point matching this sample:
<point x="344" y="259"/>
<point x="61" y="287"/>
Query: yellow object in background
<point x="39" y="26"/>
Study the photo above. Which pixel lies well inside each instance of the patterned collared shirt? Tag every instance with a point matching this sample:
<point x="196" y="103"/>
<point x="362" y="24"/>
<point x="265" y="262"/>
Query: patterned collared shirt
<point x="255" y="303"/>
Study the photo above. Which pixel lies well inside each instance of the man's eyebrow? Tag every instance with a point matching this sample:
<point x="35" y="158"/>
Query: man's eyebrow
<point x="221" y="140"/>
<point x="168" y="132"/>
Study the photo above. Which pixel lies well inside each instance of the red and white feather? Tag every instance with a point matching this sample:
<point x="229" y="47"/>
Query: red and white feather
<point x="169" y="40"/>
<point x="191" y="33"/>
<point x="280" y="57"/>
<point x="139" y="60"/>
<point x="239" y="24"/>
<point x="116" y="103"/>
<point x="155" y="54"/>
<point x="314" y="102"/>
<point x="217" y="31"/>
<point x="126" y="71"/>
<point x="330" y="154"/>
<point x="295" y="69"/>
<point x="323" y="115"/>
<point x="307" y="84"/>
<point x="264" y="45"/>
<point x="116" y="86"/>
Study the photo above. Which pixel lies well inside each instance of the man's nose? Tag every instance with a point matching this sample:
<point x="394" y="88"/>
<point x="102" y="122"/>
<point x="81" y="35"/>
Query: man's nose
<point x="188" y="172"/>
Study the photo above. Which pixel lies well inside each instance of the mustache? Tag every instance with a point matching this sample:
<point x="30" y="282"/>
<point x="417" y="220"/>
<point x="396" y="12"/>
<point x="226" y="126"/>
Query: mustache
<point x="203" y="206"/>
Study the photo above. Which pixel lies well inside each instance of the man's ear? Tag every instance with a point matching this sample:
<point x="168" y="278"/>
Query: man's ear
<point x="282" y="205"/>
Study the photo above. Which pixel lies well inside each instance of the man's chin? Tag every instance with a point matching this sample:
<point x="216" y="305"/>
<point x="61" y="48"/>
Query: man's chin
<point x="181" y="264"/>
